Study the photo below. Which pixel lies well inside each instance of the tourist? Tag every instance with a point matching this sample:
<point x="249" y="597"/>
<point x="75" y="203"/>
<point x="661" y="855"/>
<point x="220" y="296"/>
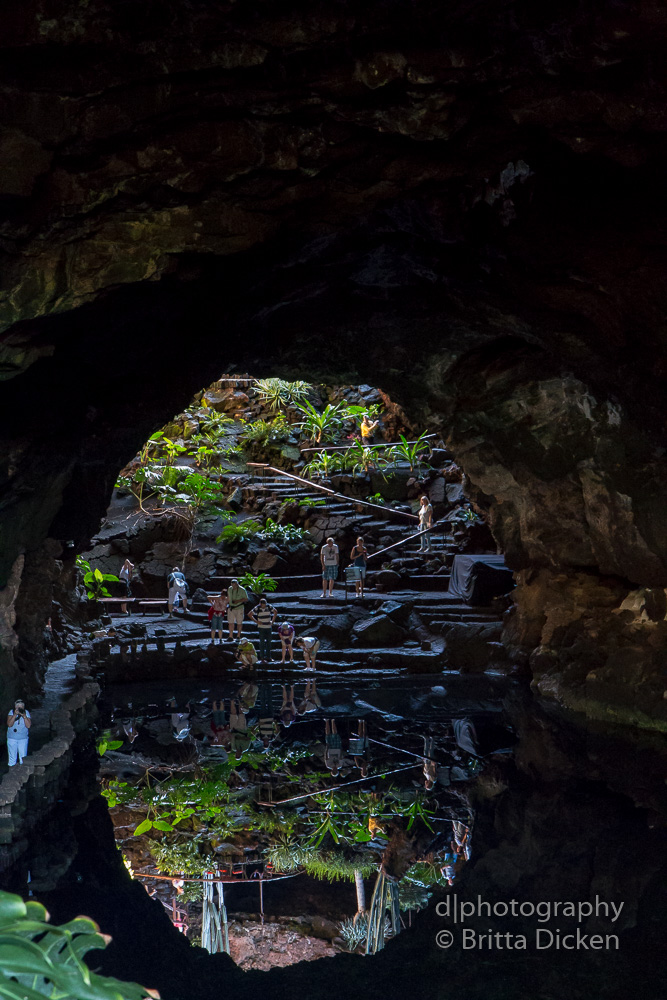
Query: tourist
<point x="268" y="728"/>
<point x="359" y="557"/>
<point x="368" y="428"/>
<point x="18" y="730"/>
<point x="237" y="597"/>
<point x="177" y="588"/>
<point x="180" y="721"/>
<point x="264" y="615"/>
<point x="247" y="695"/>
<point x="330" y="558"/>
<point x="219" y="726"/>
<point x="287" y="709"/>
<point x="218" y="608"/>
<point x="237" y="717"/>
<point x="358" y="747"/>
<point x="286" y="635"/>
<point x="311" y="699"/>
<point x="461" y="838"/>
<point x="425" y="521"/>
<point x="310" y="645"/>
<point x="247" y="654"/>
<point x="334" y="747"/>
<point x="125" y="575"/>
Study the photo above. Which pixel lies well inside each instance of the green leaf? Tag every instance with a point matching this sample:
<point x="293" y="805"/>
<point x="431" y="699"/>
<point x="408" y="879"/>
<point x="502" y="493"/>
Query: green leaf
<point x="161" y="824"/>
<point x="102" y="747"/>
<point x="98" y="576"/>
<point x="11" y="908"/>
<point x="143" y="827"/>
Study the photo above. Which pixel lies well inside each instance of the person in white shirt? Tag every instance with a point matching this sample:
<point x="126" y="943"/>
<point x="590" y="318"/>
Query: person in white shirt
<point x="18" y="729"/>
<point x="330" y="559"/>
<point x="177" y="588"/>
<point x="310" y="645"/>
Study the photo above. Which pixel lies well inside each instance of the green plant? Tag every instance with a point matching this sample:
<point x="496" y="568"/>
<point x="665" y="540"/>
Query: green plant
<point x="233" y="534"/>
<point x="94" y="580"/>
<point x="40" y="960"/>
<point x="410" y="453"/>
<point x="321" y="426"/>
<point x="259" y="584"/>
<point x="104" y="743"/>
<point x="378" y="499"/>
<point x="172" y="449"/>
<point x="272" y="531"/>
<point x="266" y="432"/>
<point x="323" y="464"/>
<point x="466" y="515"/>
<point x="118" y="793"/>
<point x="277" y="394"/>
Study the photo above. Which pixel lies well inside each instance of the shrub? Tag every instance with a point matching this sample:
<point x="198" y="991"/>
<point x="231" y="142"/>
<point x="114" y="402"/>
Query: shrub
<point x="274" y="532"/>
<point x="277" y="394"/>
<point x="259" y="584"/>
<point x="322" y="426"/>
<point x="233" y="534"/>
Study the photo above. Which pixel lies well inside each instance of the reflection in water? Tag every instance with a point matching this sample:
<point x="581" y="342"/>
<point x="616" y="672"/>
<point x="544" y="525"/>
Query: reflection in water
<point x="269" y="783"/>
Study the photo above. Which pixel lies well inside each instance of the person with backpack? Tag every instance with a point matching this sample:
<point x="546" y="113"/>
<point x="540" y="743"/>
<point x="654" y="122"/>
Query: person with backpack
<point x="177" y="588"/>
<point x="237" y="596"/>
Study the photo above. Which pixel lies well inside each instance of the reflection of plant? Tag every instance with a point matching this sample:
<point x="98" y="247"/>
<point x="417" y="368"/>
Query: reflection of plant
<point x="418" y="809"/>
<point x="41" y="960"/>
<point x="118" y="793"/>
<point x="426" y="874"/>
<point x="276" y="393"/>
<point x="412" y="896"/>
<point x="259" y="583"/>
<point x="322" y="426"/>
<point x="354" y="930"/>
<point x="94" y="580"/>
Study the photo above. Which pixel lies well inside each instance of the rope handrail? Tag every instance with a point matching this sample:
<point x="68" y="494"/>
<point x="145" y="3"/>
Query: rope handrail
<point x="332" y="493"/>
<point x="404" y="541"/>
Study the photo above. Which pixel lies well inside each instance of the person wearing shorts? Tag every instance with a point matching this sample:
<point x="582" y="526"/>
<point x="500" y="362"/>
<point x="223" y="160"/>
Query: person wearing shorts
<point x="237" y="597"/>
<point x="264" y="616"/>
<point x="334" y="747"/>
<point x="177" y="588"/>
<point x="359" y="557"/>
<point x="286" y="633"/>
<point x="219" y="605"/>
<point x="310" y="645"/>
<point x="330" y="559"/>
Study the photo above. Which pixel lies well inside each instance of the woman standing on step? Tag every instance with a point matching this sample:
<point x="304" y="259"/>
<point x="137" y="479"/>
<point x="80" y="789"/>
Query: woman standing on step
<point x="359" y="557"/>
<point x="425" y="521"/>
<point x="18" y="729"/>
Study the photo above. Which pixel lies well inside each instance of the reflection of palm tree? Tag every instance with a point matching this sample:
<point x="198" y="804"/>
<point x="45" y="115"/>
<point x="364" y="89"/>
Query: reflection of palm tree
<point x="361" y="893"/>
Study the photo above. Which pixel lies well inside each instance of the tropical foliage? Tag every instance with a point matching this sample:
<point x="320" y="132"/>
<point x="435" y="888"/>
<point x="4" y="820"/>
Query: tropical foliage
<point x="321" y="425"/>
<point x="277" y="394"/>
<point x="94" y="580"/>
<point x="259" y="583"/>
<point x="38" y="959"/>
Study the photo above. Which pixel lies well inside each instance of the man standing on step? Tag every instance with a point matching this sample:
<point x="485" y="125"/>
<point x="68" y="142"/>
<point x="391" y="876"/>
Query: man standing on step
<point x="236" y="597"/>
<point x="330" y="559"/>
<point x="264" y="615"/>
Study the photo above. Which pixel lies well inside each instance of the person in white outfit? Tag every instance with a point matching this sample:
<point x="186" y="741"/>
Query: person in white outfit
<point x="18" y="729"/>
